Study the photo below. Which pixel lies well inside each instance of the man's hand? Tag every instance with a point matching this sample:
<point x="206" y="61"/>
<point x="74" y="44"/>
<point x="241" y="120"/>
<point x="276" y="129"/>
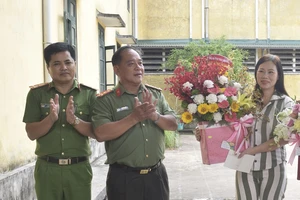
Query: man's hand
<point x="70" y="111"/>
<point x="54" y="108"/>
<point x="145" y="110"/>
<point x="147" y="98"/>
<point x="197" y="133"/>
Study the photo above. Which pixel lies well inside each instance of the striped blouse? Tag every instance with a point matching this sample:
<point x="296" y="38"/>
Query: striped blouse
<point x="263" y="131"/>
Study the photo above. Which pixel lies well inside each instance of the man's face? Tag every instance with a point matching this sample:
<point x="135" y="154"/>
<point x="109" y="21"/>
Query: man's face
<point x="62" y="68"/>
<point x="131" y="69"/>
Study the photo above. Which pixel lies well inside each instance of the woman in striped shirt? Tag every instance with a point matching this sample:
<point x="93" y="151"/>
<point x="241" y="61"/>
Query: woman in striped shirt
<point x="267" y="179"/>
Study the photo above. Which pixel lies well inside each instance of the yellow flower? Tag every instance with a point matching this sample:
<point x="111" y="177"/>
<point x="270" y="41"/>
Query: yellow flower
<point x="226" y="74"/>
<point x="222" y="90"/>
<point x="203" y="108"/>
<point x="297" y="125"/>
<point x="213" y="107"/>
<point x="187" y="117"/>
<point x="245" y="101"/>
<point x="235" y="106"/>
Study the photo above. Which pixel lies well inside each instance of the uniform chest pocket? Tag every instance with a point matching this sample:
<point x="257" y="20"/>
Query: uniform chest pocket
<point x="45" y="110"/>
<point x="120" y="114"/>
<point x="83" y="112"/>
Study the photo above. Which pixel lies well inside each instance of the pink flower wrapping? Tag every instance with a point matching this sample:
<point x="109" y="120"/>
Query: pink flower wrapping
<point x="240" y="136"/>
<point x="210" y="143"/>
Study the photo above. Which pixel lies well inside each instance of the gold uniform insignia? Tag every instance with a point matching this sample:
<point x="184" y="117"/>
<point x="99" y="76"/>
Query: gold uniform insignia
<point x="104" y="93"/>
<point x="153" y="87"/>
<point x="38" y="85"/>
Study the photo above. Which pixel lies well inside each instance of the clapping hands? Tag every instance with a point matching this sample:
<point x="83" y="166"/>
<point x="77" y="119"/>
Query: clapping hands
<point x="146" y="109"/>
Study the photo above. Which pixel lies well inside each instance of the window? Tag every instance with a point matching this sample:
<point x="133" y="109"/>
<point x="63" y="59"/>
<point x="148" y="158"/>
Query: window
<point x="154" y="59"/>
<point x="70" y="22"/>
<point x="102" y="68"/>
<point x="290" y="59"/>
<point x="251" y="60"/>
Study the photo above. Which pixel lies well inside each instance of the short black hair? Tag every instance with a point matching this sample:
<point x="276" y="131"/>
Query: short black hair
<point x="57" y="48"/>
<point x="117" y="57"/>
<point x="279" y="86"/>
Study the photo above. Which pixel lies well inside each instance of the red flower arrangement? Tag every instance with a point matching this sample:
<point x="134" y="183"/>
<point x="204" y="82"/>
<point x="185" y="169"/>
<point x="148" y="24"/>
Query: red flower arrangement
<point x="206" y="92"/>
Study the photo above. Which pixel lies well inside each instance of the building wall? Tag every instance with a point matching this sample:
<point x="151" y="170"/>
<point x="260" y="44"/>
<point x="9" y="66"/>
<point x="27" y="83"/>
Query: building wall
<point x="163" y="19"/>
<point x="233" y="18"/>
<point x="22" y="66"/>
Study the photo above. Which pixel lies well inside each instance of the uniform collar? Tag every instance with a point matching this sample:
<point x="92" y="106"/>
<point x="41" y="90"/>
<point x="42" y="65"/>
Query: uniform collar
<point x="76" y="84"/>
<point x="120" y="90"/>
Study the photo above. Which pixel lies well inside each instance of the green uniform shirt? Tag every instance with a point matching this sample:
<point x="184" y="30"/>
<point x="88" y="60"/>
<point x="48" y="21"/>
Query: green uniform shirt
<point x="62" y="140"/>
<point x="143" y="144"/>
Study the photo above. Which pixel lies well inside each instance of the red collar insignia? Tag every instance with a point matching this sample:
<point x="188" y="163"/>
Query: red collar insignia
<point x="118" y="92"/>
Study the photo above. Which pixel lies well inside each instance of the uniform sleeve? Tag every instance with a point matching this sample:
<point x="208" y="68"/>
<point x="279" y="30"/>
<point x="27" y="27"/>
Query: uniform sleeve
<point x="32" y="109"/>
<point x="164" y="107"/>
<point x="93" y="98"/>
<point x="101" y="112"/>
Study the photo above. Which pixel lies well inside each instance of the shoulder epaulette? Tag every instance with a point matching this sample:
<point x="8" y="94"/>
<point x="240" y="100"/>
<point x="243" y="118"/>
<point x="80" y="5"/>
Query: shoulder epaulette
<point x="38" y="85"/>
<point x="81" y="84"/>
<point x="104" y="93"/>
<point x="153" y="87"/>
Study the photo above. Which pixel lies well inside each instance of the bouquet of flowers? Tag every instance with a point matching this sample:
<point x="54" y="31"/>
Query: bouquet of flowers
<point x="288" y="126"/>
<point x="207" y="94"/>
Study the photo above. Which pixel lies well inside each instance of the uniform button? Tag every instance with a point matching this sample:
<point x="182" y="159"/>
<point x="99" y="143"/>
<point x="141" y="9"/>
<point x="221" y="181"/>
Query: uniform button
<point x="47" y="113"/>
<point x="255" y="160"/>
<point x="63" y="125"/>
<point x="146" y="156"/>
<point x="80" y="113"/>
<point x="146" y="140"/>
<point x="64" y="110"/>
<point x="62" y="153"/>
<point x="144" y="125"/>
<point x="63" y="139"/>
<point x="255" y="130"/>
<point x="64" y="97"/>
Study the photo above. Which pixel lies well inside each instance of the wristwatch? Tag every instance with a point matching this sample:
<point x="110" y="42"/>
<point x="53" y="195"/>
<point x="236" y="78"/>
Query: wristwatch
<point x="76" y="121"/>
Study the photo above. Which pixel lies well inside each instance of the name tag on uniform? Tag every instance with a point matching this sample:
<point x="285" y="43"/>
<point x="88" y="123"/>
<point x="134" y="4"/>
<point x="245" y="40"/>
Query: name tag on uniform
<point x="45" y="105"/>
<point x="122" y="108"/>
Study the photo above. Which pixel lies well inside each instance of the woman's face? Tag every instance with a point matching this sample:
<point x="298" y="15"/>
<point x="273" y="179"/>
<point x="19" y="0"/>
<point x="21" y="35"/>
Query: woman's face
<point x="267" y="76"/>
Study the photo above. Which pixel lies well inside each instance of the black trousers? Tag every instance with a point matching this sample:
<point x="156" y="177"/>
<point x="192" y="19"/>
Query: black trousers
<point x="123" y="184"/>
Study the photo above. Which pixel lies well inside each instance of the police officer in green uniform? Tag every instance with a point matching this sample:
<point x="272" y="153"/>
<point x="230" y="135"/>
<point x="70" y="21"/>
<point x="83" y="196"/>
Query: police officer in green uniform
<point x="58" y="117"/>
<point x="131" y="119"/>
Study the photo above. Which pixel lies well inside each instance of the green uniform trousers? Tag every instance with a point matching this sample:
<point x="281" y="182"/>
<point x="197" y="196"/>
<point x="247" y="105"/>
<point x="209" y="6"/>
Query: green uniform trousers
<point x="70" y="182"/>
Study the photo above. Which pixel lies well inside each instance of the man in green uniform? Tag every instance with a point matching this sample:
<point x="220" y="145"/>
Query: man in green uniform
<point x="131" y="119"/>
<point x="58" y="117"/>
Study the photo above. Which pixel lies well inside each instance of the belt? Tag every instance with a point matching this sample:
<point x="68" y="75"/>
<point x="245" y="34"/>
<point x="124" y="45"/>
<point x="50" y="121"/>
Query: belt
<point x="64" y="161"/>
<point x="141" y="170"/>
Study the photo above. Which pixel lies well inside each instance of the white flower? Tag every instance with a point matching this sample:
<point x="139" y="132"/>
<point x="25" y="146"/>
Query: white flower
<point x="283" y="116"/>
<point x="199" y="98"/>
<point x="217" y="117"/>
<point x="208" y="84"/>
<point x="221" y="98"/>
<point x="237" y="85"/>
<point x="223" y="80"/>
<point x="281" y="131"/>
<point x="211" y="98"/>
<point x="192" y="108"/>
<point x="188" y="85"/>
<point x="234" y="98"/>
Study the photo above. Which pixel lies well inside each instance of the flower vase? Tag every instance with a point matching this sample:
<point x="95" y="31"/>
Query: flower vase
<point x="211" y="138"/>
